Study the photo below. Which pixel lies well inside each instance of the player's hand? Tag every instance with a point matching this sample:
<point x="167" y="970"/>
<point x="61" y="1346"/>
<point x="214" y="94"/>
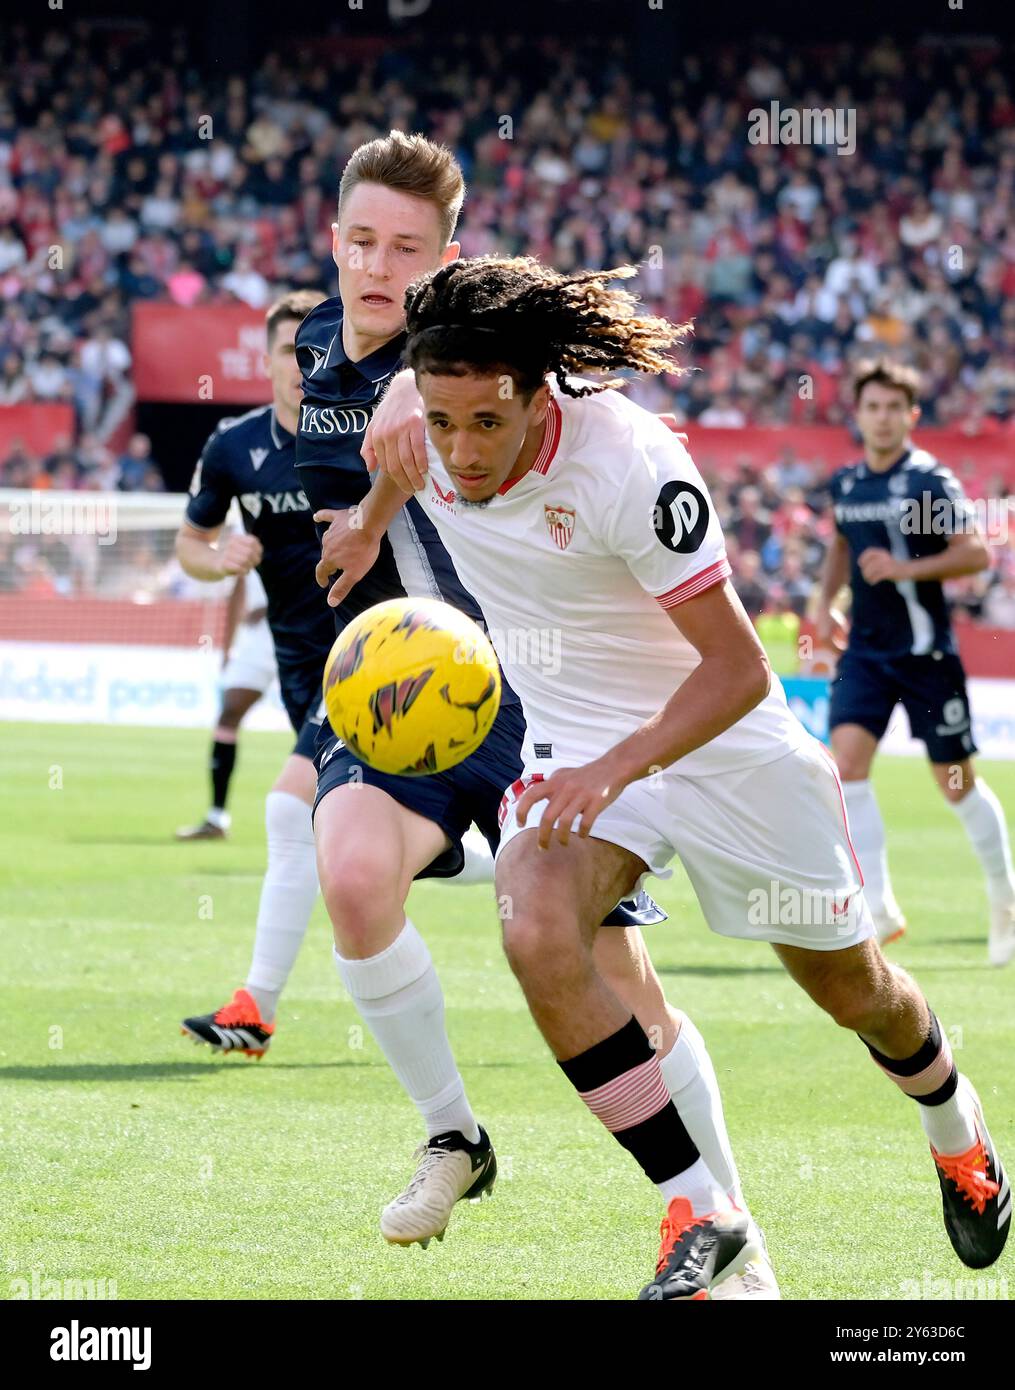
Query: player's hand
<point x="346" y="547"/>
<point x="831" y="629"/>
<point x="570" y="792"/>
<point x="877" y="565"/>
<point x="395" y="439"/>
<point x="240" y="554"/>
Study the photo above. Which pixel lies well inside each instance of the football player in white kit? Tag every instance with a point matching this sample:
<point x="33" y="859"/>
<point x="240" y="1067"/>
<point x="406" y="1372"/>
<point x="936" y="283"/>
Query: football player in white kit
<point x="566" y="507"/>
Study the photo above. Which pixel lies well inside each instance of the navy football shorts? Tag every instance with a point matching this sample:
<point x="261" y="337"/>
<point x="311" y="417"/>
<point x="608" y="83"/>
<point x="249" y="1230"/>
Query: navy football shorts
<point x="931" y="688"/>
<point x="472" y="791"/>
<point x="303" y="697"/>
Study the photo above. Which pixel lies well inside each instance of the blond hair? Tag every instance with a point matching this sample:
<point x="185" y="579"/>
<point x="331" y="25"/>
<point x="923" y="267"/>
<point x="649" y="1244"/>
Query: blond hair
<point x="410" y="164"/>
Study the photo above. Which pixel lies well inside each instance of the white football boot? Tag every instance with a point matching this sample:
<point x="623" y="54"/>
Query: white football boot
<point x="448" y="1169"/>
<point x="758" y="1278"/>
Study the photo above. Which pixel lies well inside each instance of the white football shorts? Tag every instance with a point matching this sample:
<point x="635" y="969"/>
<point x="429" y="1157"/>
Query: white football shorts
<point x="767" y="849"/>
<point x="251" y="664"/>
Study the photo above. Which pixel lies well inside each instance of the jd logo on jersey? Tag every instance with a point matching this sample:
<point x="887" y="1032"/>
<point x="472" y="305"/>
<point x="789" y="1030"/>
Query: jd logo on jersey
<point x="680" y="517"/>
<point x="560" y="524"/>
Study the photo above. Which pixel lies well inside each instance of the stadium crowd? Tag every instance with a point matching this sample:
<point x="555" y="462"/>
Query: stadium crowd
<point x="129" y="172"/>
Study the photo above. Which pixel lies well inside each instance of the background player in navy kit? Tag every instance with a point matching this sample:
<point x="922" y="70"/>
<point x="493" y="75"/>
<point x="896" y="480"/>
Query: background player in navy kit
<point x="252" y="458"/>
<point x="247" y="672"/>
<point x="902" y="526"/>
<point x="398" y="204"/>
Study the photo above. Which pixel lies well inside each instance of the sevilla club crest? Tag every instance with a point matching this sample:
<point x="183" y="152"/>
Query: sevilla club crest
<point x="560" y="524"/>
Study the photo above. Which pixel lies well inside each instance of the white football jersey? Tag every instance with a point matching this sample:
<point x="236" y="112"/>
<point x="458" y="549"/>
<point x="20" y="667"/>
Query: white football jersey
<point x="575" y="566"/>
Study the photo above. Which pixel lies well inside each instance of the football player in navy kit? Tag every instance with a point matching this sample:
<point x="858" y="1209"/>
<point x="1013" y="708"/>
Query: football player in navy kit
<point x="252" y="458"/>
<point x="398" y="204"/>
<point x="902" y="526"/>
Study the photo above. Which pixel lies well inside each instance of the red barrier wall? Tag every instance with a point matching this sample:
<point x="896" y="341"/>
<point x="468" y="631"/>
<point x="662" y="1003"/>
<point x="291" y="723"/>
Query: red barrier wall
<point x="39" y="426"/>
<point x="208" y="353"/>
<point x="171" y="623"/>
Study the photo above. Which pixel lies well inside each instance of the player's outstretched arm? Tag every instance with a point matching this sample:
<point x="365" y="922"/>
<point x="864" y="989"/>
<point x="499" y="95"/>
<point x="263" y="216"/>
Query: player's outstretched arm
<point x="395" y="439"/>
<point x="733" y="677"/>
<point x="353" y="538"/>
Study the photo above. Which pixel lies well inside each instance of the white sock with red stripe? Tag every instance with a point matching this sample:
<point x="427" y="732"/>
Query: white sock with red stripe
<point x="930" y="1077"/>
<point x="981" y="814"/>
<point x="691" y="1080"/>
<point x="621" y="1082"/>
<point x="867" y="831"/>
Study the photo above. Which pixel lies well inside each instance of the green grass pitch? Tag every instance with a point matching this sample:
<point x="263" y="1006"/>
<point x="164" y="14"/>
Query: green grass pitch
<point x="131" y="1155"/>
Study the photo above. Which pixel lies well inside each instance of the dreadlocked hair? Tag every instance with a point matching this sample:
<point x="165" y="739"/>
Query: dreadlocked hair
<point x="477" y="314"/>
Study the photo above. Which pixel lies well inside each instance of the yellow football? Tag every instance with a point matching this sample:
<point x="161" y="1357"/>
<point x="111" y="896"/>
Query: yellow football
<point x="412" y="686"/>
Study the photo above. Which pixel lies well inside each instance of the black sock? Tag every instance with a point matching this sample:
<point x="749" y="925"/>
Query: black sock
<point x="223" y="760"/>
<point x="930" y="1075"/>
<point x="620" y="1080"/>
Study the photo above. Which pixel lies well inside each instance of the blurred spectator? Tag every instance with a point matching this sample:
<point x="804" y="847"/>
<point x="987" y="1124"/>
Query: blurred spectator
<point x="186" y="285"/>
<point x="749" y="582"/>
<point x="48" y="378"/>
<point x="100" y="470"/>
<point x="749" y="523"/>
<point x="795" y="585"/>
<point x="723" y="414"/>
<point x="246" y="283"/>
<point x="137" y="464"/>
<point x="14" y="385"/>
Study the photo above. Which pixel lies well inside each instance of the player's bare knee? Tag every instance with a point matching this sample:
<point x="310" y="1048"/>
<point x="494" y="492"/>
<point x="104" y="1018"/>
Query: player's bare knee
<point x="359" y="897"/>
<point x="537" y="946"/>
<point x="855" y="999"/>
<point x="954" y="794"/>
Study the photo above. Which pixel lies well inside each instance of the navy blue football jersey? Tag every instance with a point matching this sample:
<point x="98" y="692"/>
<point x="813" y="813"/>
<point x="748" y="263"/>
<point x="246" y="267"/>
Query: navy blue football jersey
<point x="339" y="398"/>
<point x="253" y="459"/>
<point x="911" y="509"/>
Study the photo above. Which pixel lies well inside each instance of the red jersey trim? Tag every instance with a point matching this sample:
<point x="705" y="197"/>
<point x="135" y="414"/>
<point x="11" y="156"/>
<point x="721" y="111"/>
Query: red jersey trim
<point x="842" y="803"/>
<point x="506" y="487"/>
<point x="697" y="584"/>
<point x="547" y="450"/>
<point x="551" y="438"/>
